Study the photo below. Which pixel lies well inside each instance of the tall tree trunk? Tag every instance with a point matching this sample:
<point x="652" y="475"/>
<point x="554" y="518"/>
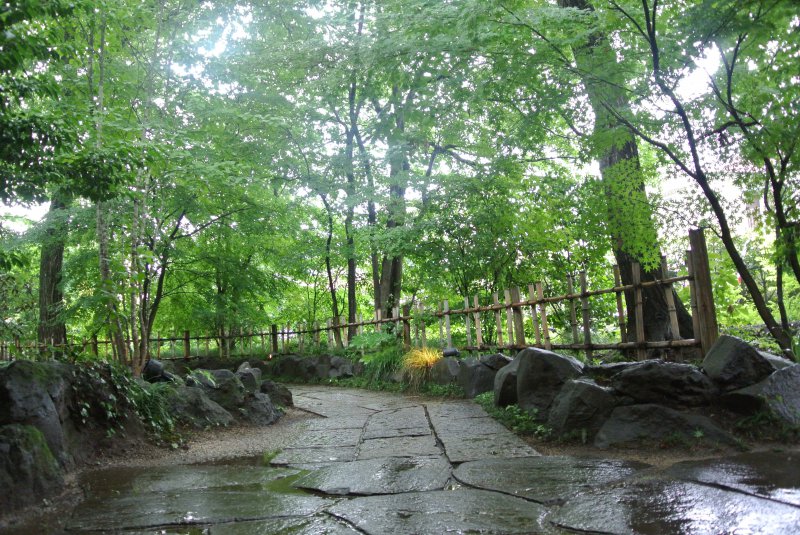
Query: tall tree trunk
<point x="331" y="286"/>
<point x="107" y="287"/>
<point x="391" y="282"/>
<point x="97" y="92"/>
<point x="352" y="302"/>
<point x="631" y="227"/>
<point x="52" y="329"/>
<point x="372" y="222"/>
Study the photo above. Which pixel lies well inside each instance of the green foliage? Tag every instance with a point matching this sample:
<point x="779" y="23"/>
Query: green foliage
<point x="373" y="341"/>
<point x="267" y="456"/>
<point x="763" y="425"/>
<point x="451" y="391"/>
<point x="457" y="137"/>
<point x="513" y="417"/>
<point x="108" y="395"/>
<point x="383" y="363"/>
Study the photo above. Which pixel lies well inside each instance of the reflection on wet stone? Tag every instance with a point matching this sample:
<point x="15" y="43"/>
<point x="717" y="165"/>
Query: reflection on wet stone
<point x="662" y="506"/>
<point x="379" y="476"/>
<point x="545" y="480"/>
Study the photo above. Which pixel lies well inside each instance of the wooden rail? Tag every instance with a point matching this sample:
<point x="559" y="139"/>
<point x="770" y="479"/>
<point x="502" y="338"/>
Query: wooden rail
<point x="510" y="316"/>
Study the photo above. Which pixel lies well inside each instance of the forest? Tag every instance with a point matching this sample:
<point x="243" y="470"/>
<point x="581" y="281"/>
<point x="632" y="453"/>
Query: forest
<point x="223" y="166"/>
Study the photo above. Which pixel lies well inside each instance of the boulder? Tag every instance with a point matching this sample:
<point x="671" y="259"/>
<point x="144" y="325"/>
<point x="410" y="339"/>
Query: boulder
<point x="279" y="394"/>
<point x="243" y="366"/>
<point x="258" y="409"/>
<point x="223" y="387"/>
<point x="665" y="383"/>
<point x="155" y="372"/>
<point x="497" y="361"/>
<point x="779" y="394"/>
<point x="581" y="406"/>
<point x="475" y="377"/>
<point x="341" y="367"/>
<point x="250" y="378"/>
<point x="28" y="470"/>
<point x="602" y="373"/>
<point x="201" y="378"/>
<point x="296" y="367"/>
<point x="322" y="366"/>
<point x="732" y="364"/>
<point x="540" y="376"/>
<point x="38" y="394"/>
<point x="505" y="384"/>
<point x="191" y="406"/>
<point x="778" y="363"/>
<point x="445" y="371"/>
<point x="647" y="422"/>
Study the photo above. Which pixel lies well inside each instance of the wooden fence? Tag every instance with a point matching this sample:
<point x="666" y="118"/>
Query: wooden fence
<point x="520" y="317"/>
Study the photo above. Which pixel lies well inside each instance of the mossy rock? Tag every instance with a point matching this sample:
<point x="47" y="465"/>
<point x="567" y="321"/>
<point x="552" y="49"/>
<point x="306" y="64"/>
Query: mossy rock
<point x="28" y="469"/>
<point x="37" y="394"/>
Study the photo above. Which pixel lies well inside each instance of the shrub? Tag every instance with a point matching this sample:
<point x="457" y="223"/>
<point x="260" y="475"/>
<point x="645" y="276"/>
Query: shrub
<point x="417" y="365"/>
<point x="513" y="417"/>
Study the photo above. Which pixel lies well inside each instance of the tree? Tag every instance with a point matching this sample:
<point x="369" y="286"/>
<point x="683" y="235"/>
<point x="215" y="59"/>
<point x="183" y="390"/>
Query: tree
<point x="768" y="135"/>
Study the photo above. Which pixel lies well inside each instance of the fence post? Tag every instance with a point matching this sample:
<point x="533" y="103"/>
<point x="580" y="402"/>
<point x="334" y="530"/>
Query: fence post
<point x="693" y="296"/>
<point x="330" y="335"/>
<point x="623" y="332"/>
<point x="441" y="325"/>
<point x="406" y="327"/>
<point x="317" y="332"/>
<point x="709" y="329"/>
<point x="509" y="319"/>
<point x="587" y="316"/>
<point x="378" y="314"/>
<point x="534" y="317"/>
<point x="468" y="323"/>
<point x="519" y="320"/>
<point x="543" y="315"/>
<point x="95" y="348"/>
<point x="446" y="311"/>
<point x="301" y="337"/>
<point x="477" y="316"/>
<point x="498" y="318"/>
<point x="423" y="327"/>
<point x="636" y="276"/>
<point x="187" y="345"/>
<point x="673" y="313"/>
<point x="274" y="334"/>
<point x="573" y="317"/>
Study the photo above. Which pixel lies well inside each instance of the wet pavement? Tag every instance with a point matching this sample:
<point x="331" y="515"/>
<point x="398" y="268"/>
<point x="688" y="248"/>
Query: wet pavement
<point x="379" y="463"/>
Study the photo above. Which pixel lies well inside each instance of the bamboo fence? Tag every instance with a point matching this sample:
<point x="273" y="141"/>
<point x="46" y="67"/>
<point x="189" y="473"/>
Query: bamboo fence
<point x="520" y="315"/>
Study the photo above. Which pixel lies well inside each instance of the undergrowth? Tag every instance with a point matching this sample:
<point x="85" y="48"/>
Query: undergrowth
<point x="513" y="417"/>
<point x="108" y="394"/>
<point x="763" y="425"/>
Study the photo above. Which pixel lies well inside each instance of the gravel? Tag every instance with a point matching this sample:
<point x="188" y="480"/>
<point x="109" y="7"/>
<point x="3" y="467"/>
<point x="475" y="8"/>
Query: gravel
<point x="219" y="444"/>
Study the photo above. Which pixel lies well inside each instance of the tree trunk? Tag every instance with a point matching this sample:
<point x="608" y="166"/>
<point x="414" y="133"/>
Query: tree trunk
<point x="630" y="223"/>
<point x="52" y="329"/>
<point x="391" y="283"/>
<point x="107" y="288"/>
<point x="331" y="286"/>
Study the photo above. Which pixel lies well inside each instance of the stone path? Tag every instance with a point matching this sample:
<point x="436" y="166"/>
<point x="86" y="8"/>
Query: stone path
<point x="380" y="463"/>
